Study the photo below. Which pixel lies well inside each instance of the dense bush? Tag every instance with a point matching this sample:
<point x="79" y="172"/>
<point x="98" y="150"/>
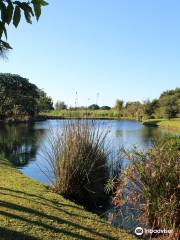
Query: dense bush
<point x="94" y="107"/>
<point x="44" y="103"/>
<point x="105" y="108"/>
<point x="150" y="184"/>
<point x="169" y="103"/>
<point x="60" y="105"/>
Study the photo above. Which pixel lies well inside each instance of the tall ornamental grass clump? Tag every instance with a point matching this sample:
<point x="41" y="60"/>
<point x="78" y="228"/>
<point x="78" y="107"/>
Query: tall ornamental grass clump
<point x="77" y="160"/>
<point x="151" y="184"/>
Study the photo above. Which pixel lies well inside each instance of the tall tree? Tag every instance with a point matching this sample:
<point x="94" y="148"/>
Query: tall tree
<point x="17" y="96"/>
<point x="149" y="108"/>
<point x="94" y="107"/>
<point x="21" y="99"/>
<point x="44" y="102"/>
<point x="169" y="103"/>
<point x="119" y="105"/>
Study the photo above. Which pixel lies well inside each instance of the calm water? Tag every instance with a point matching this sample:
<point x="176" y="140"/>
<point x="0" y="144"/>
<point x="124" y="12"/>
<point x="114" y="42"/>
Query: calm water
<point x="23" y="144"/>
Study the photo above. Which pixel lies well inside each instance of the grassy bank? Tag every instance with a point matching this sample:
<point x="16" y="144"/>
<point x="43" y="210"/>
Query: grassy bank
<point x="94" y="114"/>
<point x="173" y="124"/>
<point x="30" y="211"/>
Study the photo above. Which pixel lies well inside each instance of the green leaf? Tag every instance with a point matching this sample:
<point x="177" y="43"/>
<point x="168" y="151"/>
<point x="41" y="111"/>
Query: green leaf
<point x="5" y="45"/>
<point x="44" y="3"/>
<point x="25" y="7"/>
<point x="3" y="11"/>
<point x="17" y="16"/>
<point x="27" y="16"/>
<point x="1" y="29"/>
<point x="40" y="2"/>
<point x="37" y="8"/>
<point x="28" y="12"/>
<point x="9" y="12"/>
<point x="5" y="31"/>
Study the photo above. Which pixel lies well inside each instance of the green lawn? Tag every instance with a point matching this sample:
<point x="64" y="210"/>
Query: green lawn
<point x="173" y="124"/>
<point x="29" y="210"/>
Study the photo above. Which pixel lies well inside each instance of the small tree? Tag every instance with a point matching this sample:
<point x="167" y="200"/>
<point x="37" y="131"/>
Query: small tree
<point x="94" y="107"/>
<point x="60" y="105"/>
<point x="44" y="102"/>
<point x="105" y="108"/>
<point x="131" y="109"/>
<point x="149" y="108"/>
<point x="169" y="103"/>
<point x="119" y="105"/>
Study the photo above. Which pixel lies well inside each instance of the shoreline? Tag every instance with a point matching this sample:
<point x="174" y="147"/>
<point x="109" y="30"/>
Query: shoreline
<point x="167" y="124"/>
<point x="88" y="118"/>
<point x="41" y="118"/>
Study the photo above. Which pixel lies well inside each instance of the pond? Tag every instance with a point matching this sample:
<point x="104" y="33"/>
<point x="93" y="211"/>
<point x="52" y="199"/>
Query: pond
<point x="23" y="144"/>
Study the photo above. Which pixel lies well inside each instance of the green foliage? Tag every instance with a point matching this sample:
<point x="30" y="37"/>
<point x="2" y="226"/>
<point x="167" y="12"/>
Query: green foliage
<point x="105" y="108"/>
<point x="44" y="102"/>
<point x="17" y="97"/>
<point x="167" y="106"/>
<point x="150" y="184"/>
<point x="60" y="105"/>
<point x="169" y="103"/>
<point x="172" y="124"/>
<point x="20" y="99"/>
<point x="94" y="107"/>
<point x="119" y="105"/>
<point x="131" y="109"/>
<point x="83" y="113"/>
<point x="150" y="107"/>
<point x="11" y="12"/>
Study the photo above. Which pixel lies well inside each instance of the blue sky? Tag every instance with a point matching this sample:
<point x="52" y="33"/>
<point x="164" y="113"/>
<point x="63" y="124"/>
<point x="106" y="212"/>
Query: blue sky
<point x="127" y="49"/>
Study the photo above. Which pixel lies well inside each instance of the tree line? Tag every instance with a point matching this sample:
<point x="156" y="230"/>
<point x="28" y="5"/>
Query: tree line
<point x="20" y="99"/>
<point x="166" y="106"/>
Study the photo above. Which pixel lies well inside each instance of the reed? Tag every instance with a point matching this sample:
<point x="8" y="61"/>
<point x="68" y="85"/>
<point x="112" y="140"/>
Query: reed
<point x="150" y="184"/>
<point x="77" y="159"/>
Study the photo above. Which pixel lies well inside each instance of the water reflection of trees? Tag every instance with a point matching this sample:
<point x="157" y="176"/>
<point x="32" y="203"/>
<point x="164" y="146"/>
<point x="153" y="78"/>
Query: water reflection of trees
<point x="141" y="137"/>
<point x="19" y="143"/>
<point x="148" y="134"/>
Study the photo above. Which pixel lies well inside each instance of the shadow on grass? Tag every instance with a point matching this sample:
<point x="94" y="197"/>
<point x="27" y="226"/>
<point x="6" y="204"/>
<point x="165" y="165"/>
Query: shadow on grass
<point x="58" y="207"/>
<point x="7" y="234"/>
<point x="46" y="226"/>
<point x="4" y="161"/>
<point x="40" y="197"/>
<point x="59" y="221"/>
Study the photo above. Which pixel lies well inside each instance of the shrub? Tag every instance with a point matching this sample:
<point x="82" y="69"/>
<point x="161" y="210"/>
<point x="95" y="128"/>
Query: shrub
<point x="150" y="184"/>
<point x="94" y="107"/>
<point x="105" y="108"/>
